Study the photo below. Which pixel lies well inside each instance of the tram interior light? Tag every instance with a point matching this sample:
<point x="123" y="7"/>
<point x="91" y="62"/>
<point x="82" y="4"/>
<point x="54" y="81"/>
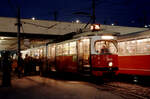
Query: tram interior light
<point x="107" y="37"/>
<point x="85" y="40"/>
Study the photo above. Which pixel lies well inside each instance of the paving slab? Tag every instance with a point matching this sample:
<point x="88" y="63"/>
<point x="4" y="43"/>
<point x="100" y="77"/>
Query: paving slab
<point x="37" y="87"/>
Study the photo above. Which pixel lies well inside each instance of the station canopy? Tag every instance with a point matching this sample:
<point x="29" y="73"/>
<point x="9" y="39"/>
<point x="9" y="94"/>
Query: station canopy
<point x="37" y="32"/>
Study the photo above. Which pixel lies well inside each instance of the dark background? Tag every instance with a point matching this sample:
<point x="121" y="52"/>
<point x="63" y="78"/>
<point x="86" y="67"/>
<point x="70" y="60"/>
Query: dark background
<point x="120" y="12"/>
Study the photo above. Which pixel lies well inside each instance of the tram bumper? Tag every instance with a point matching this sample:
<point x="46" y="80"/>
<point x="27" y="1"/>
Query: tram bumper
<point x="101" y="71"/>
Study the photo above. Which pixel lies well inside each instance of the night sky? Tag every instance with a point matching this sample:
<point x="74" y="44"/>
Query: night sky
<point x="121" y="12"/>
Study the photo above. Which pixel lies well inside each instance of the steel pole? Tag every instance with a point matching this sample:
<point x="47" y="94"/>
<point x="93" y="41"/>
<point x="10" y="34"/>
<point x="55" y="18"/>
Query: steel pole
<point x="18" y="37"/>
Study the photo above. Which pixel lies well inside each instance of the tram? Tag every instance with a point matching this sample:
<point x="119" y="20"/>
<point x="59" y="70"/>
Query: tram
<point x="134" y="54"/>
<point x="93" y="55"/>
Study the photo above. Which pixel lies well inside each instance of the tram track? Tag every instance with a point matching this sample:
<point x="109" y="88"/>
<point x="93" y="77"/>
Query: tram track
<point x="122" y="89"/>
<point x="123" y="92"/>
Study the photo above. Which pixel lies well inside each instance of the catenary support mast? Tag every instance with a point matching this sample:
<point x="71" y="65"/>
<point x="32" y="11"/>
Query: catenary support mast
<point x="18" y="37"/>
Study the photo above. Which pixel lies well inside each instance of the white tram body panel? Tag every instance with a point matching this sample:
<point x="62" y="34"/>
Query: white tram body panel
<point x="134" y="55"/>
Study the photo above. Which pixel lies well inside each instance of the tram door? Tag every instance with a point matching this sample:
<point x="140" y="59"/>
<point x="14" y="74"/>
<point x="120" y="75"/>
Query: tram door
<point x="83" y="55"/>
<point x="51" y="57"/>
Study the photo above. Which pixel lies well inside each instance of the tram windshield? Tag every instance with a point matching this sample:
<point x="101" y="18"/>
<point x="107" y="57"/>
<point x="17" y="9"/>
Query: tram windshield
<point x="106" y="47"/>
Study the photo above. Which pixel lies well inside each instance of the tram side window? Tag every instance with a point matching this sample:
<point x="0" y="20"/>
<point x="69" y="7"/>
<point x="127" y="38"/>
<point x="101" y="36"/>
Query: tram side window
<point x="31" y="53"/>
<point x="135" y="47"/>
<point x="127" y="48"/>
<point x="112" y="48"/>
<point x="72" y="48"/>
<point x="80" y="51"/>
<point x="59" y="50"/>
<point x="41" y="52"/>
<point x="38" y="51"/>
<point x="65" y="49"/>
<point x="44" y="51"/>
<point x="37" y="54"/>
<point x="86" y="48"/>
<point x="48" y="52"/>
<point x="80" y="48"/>
<point x="131" y="47"/>
<point x="121" y="47"/>
<point x="28" y="52"/>
<point x="52" y="53"/>
<point x="147" y="46"/>
<point x="143" y="46"/>
<point x="34" y="53"/>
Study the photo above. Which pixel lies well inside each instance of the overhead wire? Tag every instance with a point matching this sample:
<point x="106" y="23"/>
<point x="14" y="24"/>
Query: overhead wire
<point x="14" y="8"/>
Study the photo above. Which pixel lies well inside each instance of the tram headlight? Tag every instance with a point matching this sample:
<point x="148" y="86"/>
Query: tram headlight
<point x="110" y="64"/>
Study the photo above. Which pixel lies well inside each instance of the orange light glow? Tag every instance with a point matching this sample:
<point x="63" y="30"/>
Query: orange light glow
<point x="95" y="27"/>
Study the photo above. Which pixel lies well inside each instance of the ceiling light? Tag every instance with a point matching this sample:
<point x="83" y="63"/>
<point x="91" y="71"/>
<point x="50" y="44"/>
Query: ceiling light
<point x="2" y="38"/>
<point x="145" y="26"/>
<point x="33" y="18"/>
<point x="112" y="24"/>
<point x="77" y="21"/>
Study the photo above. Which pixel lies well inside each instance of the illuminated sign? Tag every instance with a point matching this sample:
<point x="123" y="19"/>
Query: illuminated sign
<point x="107" y="37"/>
<point x="95" y="27"/>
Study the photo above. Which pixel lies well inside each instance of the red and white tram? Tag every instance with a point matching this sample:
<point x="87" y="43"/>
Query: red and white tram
<point x="93" y="55"/>
<point x="134" y="54"/>
<point x="96" y="55"/>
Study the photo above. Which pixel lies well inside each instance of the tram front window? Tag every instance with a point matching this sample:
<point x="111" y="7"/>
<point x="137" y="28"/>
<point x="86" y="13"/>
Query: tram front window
<point x="105" y="47"/>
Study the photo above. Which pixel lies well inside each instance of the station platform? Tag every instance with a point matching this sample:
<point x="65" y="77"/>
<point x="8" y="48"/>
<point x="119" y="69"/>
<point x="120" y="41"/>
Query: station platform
<point x="36" y="87"/>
